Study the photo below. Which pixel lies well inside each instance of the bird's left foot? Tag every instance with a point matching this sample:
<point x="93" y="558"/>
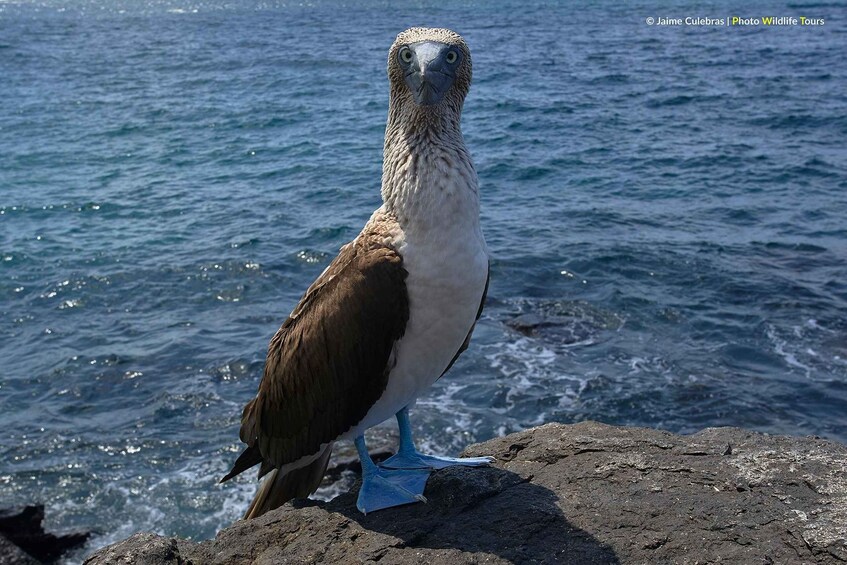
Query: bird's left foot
<point x="386" y="488"/>
<point x="417" y="460"/>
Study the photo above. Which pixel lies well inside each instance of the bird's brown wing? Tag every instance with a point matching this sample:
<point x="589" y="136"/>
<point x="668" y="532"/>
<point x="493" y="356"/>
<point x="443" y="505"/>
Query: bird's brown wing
<point x="329" y="362"/>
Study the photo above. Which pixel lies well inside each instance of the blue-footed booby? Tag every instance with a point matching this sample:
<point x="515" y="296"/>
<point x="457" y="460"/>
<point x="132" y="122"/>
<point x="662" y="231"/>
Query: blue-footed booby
<point x="392" y="312"/>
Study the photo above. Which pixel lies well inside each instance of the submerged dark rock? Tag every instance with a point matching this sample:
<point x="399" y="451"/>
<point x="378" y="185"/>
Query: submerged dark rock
<point x="12" y="554"/>
<point x="562" y="323"/>
<point x="23" y="539"/>
<point x="585" y="493"/>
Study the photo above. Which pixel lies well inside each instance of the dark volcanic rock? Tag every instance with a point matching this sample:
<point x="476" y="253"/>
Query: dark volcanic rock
<point x="12" y="554"/>
<point x="582" y="494"/>
<point x="22" y="528"/>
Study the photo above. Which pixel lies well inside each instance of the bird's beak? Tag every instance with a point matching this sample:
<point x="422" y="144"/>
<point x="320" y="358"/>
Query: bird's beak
<point x="429" y="76"/>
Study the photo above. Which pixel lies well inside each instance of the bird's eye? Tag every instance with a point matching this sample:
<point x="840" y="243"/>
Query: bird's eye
<point x="406" y="55"/>
<point x="451" y="57"/>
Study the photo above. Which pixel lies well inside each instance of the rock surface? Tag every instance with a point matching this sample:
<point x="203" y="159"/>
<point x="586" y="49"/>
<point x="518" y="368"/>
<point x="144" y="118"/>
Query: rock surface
<point x="585" y="493"/>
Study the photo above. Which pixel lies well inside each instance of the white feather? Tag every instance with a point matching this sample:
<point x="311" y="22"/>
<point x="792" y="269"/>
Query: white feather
<point x="444" y="253"/>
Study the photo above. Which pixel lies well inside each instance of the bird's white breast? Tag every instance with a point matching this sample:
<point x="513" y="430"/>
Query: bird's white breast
<point x="446" y="259"/>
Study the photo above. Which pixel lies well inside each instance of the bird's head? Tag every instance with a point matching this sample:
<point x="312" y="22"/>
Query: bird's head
<point x="430" y="66"/>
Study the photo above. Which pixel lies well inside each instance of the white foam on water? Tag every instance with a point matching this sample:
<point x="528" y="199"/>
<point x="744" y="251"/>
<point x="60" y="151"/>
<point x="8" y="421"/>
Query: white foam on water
<point x="813" y="324"/>
<point x="457" y="424"/>
<point x="781" y="347"/>
<point x="159" y="505"/>
<point x="811" y="348"/>
<point x="530" y="370"/>
<point x="524" y="359"/>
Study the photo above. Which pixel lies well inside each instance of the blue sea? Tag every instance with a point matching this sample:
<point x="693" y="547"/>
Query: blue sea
<point x="665" y="206"/>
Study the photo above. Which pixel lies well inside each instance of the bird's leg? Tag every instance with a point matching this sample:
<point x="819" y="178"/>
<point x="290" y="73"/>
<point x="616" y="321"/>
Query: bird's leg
<point x="408" y="457"/>
<point x="384" y="488"/>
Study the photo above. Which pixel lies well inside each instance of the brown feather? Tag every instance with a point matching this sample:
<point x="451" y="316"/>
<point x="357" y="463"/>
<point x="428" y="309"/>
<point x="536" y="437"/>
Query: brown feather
<point x="248" y="458"/>
<point x="278" y="488"/>
<point x="326" y="365"/>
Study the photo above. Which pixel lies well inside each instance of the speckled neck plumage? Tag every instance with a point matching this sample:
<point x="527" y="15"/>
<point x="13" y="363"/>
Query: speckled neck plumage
<point x="427" y="169"/>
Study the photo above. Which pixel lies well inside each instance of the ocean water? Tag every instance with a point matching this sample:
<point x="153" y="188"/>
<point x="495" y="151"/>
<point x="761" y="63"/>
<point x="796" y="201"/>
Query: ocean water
<point x="666" y="210"/>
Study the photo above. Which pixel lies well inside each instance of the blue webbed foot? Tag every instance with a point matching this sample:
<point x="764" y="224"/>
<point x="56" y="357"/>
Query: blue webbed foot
<point x="417" y="460"/>
<point x="384" y="488"/>
<point x="412" y="480"/>
<point x="408" y="457"/>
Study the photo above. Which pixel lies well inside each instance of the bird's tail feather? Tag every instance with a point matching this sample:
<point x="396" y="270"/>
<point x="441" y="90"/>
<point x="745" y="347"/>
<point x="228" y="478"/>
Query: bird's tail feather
<point x="278" y="487"/>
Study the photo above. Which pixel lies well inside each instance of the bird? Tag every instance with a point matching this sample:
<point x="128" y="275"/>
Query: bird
<point x="392" y="312"/>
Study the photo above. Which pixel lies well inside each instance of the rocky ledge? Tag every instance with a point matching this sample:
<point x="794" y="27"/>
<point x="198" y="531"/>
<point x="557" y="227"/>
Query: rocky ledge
<point x="584" y="493"/>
